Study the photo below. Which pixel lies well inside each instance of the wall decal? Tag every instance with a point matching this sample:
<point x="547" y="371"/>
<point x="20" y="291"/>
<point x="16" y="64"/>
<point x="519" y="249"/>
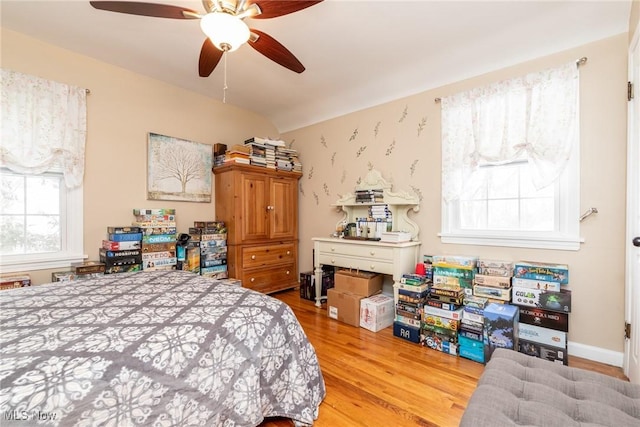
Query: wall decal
<point x="354" y="135"/>
<point x="326" y="188"/>
<point x="333" y="158"/>
<point x="361" y="150"/>
<point x="301" y="189"/>
<point x="311" y="173"/>
<point x="391" y="147"/>
<point x="315" y="196"/>
<point x="413" y="166"/>
<point x="404" y="114"/>
<point x="369" y="166"/>
<point x="376" y="129"/>
<point x="417" y="191"/>
<point x="323" y="141"/>
<point x="344" y="177"/>
<point x="291" y="143"/>
<point x="421" y="125"/>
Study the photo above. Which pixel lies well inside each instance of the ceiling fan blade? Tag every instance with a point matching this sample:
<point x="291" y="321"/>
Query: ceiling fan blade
<point x="146" y="9"/>
<point x="209" y="58"/>
<point x="272" y="49"/>
<point x="275" y="8"/>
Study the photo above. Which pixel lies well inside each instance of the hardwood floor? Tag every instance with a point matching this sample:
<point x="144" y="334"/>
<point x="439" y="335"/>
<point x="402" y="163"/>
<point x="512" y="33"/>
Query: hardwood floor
<point x="376" y="379"/>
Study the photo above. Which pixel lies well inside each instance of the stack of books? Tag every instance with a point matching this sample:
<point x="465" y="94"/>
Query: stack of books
<point x="369" y="196"/>
<point x="238" y="154"/>
<point x="257" y="154"/>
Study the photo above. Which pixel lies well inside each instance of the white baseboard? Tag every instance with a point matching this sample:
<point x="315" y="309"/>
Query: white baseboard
<point x="602" y="355"/>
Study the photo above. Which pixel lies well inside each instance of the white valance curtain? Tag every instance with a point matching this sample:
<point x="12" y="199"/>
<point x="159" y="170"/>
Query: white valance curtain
<point x="44" y="126"/>
<point x="532" y="118"/>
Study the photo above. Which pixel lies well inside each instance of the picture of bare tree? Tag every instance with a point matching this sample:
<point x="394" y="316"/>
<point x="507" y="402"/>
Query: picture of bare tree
<point x="178" y="169"/>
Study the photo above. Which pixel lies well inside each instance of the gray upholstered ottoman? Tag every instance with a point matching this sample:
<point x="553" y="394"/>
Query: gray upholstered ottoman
<point x="520" y="390"/>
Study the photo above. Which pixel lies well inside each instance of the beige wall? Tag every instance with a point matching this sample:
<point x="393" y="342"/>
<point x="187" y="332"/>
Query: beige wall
<point x="634" y="18"/>
<point x="402" y="140"/>
<point x="122" y="108"/>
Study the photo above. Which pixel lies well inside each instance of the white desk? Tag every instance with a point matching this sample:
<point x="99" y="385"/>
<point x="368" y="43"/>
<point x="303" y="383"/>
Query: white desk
<point x="394" y="259"/>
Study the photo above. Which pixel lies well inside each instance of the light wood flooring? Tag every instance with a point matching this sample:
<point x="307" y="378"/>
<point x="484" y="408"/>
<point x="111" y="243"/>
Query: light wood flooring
<point x="376" y="379"/>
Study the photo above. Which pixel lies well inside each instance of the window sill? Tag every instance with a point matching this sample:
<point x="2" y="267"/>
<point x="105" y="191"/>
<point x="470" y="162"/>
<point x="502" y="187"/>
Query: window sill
<point x="26" y="263"/>
<point x="532" y="242"/>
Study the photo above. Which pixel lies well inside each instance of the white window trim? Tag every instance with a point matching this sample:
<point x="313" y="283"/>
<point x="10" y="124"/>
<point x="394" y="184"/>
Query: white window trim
<point x="568" y="218"/>
<point x="72" y="235"/>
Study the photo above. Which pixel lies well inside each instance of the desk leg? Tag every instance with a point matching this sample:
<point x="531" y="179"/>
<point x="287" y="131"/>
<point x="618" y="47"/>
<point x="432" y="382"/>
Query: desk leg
<point x="318" y="283"/>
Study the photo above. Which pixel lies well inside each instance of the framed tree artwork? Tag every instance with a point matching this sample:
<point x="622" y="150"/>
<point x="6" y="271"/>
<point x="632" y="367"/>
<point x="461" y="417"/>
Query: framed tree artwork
<point x="178" y="169"/>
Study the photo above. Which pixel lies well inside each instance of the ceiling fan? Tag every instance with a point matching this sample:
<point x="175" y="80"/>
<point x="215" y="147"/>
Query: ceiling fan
<point x="224" y="25"/>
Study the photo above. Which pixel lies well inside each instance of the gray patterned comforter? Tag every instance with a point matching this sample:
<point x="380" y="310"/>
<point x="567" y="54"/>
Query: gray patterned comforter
<point x="162" y="348"/>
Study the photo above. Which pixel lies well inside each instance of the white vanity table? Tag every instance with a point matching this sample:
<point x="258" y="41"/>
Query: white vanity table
<point x="394" y="259"/>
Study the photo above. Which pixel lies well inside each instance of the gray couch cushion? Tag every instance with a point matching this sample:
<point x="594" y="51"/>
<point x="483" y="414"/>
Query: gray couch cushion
<point x="520" y="390"/>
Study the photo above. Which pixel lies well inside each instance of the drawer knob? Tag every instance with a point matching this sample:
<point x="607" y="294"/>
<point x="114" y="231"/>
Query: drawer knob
<point x="333" y="261"/>
<point x="372" y="267"/>
<point x="253" y="279"/>
<point x="288" y="272"/>
<point x="333" y="249"/>
<point x="372" y="253"/>
<point x="253" y="257"/>
<point x="288" y="252"/>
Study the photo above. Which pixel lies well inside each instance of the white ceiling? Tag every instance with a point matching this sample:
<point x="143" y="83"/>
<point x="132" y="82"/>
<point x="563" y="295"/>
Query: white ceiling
<point x="357" y="53"/>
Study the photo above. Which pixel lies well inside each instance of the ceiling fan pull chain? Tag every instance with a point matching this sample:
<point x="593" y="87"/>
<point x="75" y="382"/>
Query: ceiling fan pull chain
<point x="224" y="89"/>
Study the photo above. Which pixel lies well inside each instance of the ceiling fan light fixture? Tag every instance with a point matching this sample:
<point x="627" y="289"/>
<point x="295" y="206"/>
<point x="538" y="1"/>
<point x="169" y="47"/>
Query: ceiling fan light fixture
<point x="226" y="31"/>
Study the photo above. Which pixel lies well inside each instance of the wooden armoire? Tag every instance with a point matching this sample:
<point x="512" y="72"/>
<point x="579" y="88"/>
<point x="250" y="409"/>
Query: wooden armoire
<point x="260" y="209"/>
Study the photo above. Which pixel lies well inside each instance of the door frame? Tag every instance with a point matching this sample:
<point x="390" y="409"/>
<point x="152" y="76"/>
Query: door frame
<point x="631" y="364"/>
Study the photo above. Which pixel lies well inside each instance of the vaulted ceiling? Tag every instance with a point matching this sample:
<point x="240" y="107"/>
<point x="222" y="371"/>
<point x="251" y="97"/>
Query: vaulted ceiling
<point x="357" y="53"/>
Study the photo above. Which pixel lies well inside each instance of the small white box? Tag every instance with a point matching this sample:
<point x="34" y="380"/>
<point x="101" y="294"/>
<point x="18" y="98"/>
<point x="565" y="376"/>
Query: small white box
<point x="377" y="312"/>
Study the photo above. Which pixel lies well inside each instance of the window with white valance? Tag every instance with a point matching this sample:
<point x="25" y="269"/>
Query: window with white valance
<point x="510" y="162"/>
<point x="42" y="151"/>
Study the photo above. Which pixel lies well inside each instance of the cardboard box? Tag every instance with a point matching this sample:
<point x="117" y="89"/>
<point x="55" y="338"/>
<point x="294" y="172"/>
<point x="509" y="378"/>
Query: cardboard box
<point x="500" y="328"/>
<point x="377" y="312"/>
<point x="471" y="349"/>
<point x="362" y="283"/>
<point x="542" y="271"/>
<point x="406" y="332"/>
<point x="547" y="300"/>
<point x="547" y="336"/>
<point x="344" y="306"/>
<point x="545" y="318"/>
<point x="543" y="351"/>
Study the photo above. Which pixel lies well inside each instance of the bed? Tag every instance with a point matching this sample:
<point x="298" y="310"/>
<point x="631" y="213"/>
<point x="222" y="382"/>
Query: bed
<point x="158" y="348"/>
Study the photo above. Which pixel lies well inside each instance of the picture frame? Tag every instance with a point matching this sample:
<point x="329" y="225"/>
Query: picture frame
<point x="178" y="169"/>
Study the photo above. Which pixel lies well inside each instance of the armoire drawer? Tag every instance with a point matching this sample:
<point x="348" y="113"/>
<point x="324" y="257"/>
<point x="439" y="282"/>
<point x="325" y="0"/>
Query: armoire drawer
<point x="270" y="279"/>
<point x="268" y="255"/>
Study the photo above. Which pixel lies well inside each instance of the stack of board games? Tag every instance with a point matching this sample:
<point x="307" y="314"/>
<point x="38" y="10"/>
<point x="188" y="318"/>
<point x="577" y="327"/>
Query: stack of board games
<point x="454" y="272"/>
<point x="212" y="236"/>
<point x="410" y="296"/>
<point x="158" y="229"/>
<point x="471" y="331"/>
<point x="545" y="302"/>
<point x="14" y="280"/>
<point x="121" y="252"/>
<point x="308" y="283"/>
<point x="493" y="280"/>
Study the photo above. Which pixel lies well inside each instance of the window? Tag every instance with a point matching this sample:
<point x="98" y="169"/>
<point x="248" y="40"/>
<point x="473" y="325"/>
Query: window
<point x="511" y="163"/>
<point x="40" y="221"/>
<point x="42" y="168"/>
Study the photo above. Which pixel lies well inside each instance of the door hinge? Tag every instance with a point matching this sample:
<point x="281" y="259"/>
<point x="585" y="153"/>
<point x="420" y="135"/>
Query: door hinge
<point x="629" y="91"/>
<point x="627" y="330"/>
